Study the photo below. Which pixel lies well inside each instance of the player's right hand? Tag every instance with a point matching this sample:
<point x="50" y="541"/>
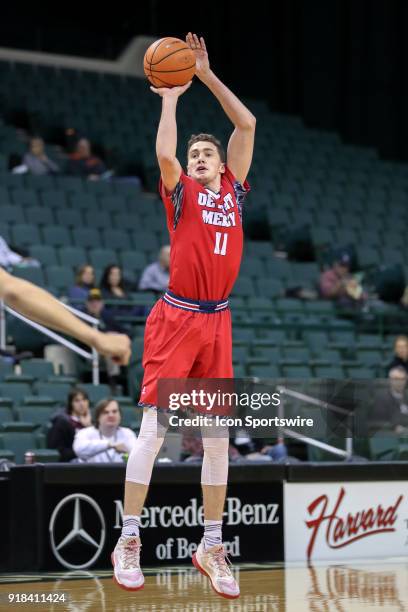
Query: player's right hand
<point x="116" y="346"/>
<point x="170" y="92"/>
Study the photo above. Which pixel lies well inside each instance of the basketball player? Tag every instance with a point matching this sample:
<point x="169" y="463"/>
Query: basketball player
<point x="188" y="333"/>
<point x="40" y="306"/>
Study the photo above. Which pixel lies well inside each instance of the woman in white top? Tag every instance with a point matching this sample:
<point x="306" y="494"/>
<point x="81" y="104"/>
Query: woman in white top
<point x="107" y="442"/>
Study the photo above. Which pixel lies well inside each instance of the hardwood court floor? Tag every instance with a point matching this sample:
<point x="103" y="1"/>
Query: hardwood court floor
<point x="349" y="587"/>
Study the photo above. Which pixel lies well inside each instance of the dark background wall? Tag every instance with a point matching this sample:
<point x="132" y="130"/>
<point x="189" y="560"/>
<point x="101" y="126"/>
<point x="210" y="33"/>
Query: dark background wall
<point x="340" y="64"/>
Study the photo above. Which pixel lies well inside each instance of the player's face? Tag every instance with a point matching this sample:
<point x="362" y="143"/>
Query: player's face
<point x="204" y="162"/>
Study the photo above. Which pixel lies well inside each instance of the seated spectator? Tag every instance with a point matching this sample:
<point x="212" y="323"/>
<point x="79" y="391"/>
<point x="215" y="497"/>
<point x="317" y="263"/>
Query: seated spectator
<point x="65" y="423"/>
<point x="95" y="307"/>
<point x="83" y="163"/>
<point x="400" y="354"/>
<point x="390" y="406"/>
<point x="155" y="277"/>
<point x="112" y="284"/>
<point x="36" y="159"/>
<point x="337" y="283"/>
<point x="10" y="258"/>
<point x="84" y="281"/>
<point x="107" y="441"/>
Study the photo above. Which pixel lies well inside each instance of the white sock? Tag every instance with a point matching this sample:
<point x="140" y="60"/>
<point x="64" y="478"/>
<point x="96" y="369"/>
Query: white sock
<point x="131" y="524"/>
<point x="212" y="533"/>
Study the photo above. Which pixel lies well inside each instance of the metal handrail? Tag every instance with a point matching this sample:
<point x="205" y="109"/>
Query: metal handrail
<point x="347" y="453"/>
<point x="90" y="356"/>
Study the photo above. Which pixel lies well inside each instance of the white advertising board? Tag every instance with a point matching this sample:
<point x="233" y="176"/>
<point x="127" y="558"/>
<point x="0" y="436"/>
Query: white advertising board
<point x="349" y="520"/>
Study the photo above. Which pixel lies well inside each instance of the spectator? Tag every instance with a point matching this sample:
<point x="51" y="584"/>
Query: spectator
<point x="390" y="408"/>
<point x="95" y="307"/>
<point x="400" y="354"/>
<point x="112" y="284"/>
<point x="106" y="442"/>
<point x="155" y="277"/>
<point x="65" y="423"/>
<point x="83" y="163"/>
<point x="10" y="258"/>
<point x="84" y="281"/>
<point x="36" y="159"/>
<point x="337" y="283"/>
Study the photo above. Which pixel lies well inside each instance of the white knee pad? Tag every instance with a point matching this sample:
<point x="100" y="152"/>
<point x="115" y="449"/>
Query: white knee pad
<point x="141" y="459"/>
<point x="215" y="462"/>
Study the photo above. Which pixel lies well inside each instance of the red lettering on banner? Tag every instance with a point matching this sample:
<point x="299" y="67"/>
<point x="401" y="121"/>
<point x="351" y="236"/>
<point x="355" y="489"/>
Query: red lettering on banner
<point x="342" y="531"/>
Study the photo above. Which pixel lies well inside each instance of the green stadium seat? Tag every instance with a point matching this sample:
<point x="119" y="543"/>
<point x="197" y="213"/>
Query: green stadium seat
<point x="87" y="237"/>
<point x="58" y="391"/>
<point x="45" y="254"/>
<point x="133" y="260"/>
<point x="101" y="220"/>
<point x="269" y="287"/>
<point x="6" y="369"/>
<point x="101" y="258"/>
<point x="86" y="202"/>
<point x="294" y="355"/>
<point x="335" y="372"/>
<point x="69" y="218"/>
<point x="18" y="443"/>
<point x="294" y="371"/>
<point x="243" y="287"/>
<point x="38" y="368"/>
<point x="25" y="235"/>
<point x="24" y="197"/>
<point x="16" y="391"/>
<point x="70" y="184"/>
<point x="72" y="256"/>
<point x="39" y="400"/>
<point x="12" y="214"/>
<point x="266" y="371"/>
<point x="6" y="414"/>
<point x="60" y="277"/>
<point x="116" y="239"/>
<point x="34" y="275"/>
<point x="56" y="236"/>
<point x="39" y="415"/>
<point x="39" y="215"/>
<point x="96" y="392"/>
<point x="114" y="203"/>
<point x="51" y="198"/>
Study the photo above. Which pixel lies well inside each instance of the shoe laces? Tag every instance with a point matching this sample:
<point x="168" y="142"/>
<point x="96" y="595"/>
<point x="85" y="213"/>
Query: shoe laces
<point x="131" y="553"/>
<point x="221" y="562"/>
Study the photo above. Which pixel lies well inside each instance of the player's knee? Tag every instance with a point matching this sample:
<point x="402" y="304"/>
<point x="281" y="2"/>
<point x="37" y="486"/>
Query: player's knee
<point x="215" y="448"/>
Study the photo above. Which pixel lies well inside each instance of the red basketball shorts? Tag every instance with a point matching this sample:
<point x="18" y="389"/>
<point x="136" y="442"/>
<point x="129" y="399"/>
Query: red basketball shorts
<point x="185" y="343"/>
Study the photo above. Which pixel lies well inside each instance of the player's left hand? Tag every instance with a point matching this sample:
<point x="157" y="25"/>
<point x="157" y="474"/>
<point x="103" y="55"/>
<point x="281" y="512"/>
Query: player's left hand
<point x="200" y="51"/>
<point x="116" y="346"/>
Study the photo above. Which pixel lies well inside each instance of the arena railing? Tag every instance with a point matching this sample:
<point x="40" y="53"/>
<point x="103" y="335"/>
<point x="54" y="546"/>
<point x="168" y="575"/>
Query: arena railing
<point x="90" y="356"/>
<point x="346" y="453"/>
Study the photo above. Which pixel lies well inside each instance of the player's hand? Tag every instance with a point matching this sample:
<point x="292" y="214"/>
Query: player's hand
<point x="116" y="346"/>
<point x="170" y="92"/>
<point x="200" y="51"/>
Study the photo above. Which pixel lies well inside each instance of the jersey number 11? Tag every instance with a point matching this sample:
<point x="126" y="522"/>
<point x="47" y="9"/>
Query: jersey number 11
<point x="220" y="243"/>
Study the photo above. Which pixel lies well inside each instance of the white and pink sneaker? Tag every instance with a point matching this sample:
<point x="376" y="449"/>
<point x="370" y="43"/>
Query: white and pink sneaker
<point x="214" y="564"/>
<point x="126" y="564"/>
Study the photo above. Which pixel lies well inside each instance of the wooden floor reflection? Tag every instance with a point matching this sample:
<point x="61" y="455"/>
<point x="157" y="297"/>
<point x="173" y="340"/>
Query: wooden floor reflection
<point x="330" y="588"/>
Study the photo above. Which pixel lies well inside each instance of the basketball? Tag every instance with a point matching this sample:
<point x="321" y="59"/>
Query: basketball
<point x="169" y="62"/>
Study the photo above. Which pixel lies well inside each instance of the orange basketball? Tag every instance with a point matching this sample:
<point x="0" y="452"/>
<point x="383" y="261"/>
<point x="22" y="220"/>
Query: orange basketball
<point x="169" y="62"/>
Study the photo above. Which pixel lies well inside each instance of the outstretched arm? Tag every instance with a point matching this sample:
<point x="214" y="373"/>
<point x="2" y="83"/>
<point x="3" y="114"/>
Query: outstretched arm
<point x="166" y="141"/>
<point x="241" y="143"/>
<point x="42" y="307"/>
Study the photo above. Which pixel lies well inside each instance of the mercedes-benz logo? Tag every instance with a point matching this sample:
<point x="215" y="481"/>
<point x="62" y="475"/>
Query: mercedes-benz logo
<point x="77" y="533"/>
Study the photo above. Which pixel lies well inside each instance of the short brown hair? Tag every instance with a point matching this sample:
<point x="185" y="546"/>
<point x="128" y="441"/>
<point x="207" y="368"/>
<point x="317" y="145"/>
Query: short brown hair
<point x="100" y="407"/>
<point x="206" y="138"/>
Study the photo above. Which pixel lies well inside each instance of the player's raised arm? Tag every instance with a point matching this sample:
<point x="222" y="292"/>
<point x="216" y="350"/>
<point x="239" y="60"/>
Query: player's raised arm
<point x="42" y="307"/>
<point x="241" y="143"/>
<point x="166" y="141"/>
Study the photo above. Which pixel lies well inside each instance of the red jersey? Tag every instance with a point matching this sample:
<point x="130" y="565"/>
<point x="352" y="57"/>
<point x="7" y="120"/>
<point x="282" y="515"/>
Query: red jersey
<point x="206" y="237"/>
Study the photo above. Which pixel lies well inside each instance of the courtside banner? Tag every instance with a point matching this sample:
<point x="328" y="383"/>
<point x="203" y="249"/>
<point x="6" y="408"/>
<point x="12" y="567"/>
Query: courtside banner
<point x="348" y="520"/>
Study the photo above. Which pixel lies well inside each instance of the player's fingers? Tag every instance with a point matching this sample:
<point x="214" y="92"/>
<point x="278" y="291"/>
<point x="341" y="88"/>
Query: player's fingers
<point x="196" y="41"/>
<point x="202" y="41"/>
<point x="155" y="90"/>
<point x="189" y="39"/>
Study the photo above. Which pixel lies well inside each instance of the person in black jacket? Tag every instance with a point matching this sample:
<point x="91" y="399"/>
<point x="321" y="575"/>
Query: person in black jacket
<point x="76" y="415"/>
<point x="400" y="359"/>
